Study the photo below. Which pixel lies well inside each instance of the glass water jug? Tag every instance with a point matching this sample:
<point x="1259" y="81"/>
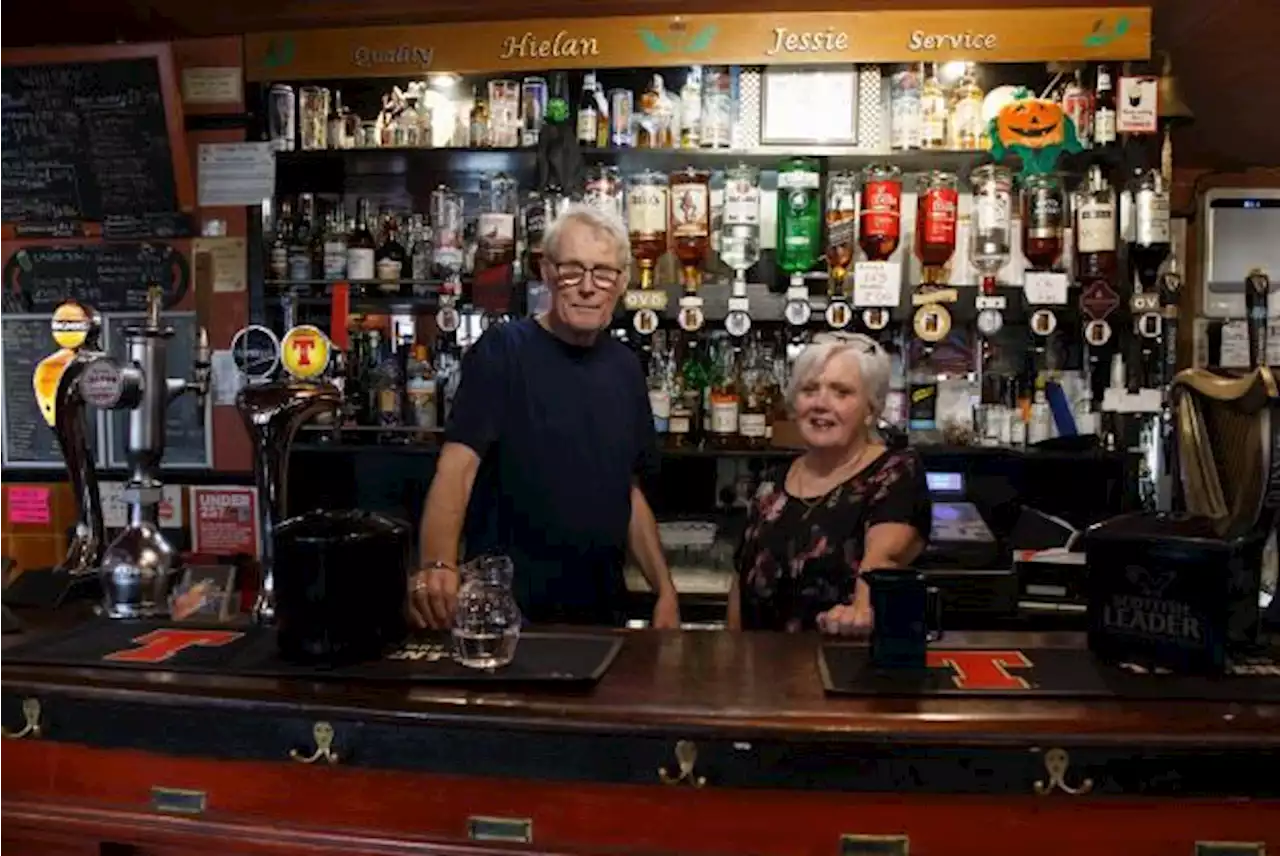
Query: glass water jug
<point x="486" y="625"/>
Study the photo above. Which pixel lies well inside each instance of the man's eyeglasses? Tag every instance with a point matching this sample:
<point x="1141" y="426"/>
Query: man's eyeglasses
<point x="572" y="273"/>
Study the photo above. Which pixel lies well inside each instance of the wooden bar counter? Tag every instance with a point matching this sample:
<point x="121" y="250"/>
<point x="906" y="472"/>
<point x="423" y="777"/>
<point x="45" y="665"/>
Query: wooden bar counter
<point x="155" y="762"/>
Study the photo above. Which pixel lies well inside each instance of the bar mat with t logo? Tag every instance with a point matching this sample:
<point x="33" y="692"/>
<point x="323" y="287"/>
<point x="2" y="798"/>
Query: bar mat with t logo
<point x="847" y="669"/>
<point x="541" y="657"/>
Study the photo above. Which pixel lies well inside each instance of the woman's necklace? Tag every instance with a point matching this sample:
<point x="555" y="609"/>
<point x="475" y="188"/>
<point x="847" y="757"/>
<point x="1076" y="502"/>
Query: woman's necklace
<point x="832" y="493"/>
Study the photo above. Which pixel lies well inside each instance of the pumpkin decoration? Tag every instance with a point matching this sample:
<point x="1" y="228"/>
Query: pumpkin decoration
<point x="1034" y="129"/>
<point x="1031" y="122"/>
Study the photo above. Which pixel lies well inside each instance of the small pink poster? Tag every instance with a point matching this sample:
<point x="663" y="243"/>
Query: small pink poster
<point x="29" y="504"/>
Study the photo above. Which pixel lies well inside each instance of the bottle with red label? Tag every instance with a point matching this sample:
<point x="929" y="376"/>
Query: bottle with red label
<point x="1077" y="105"/>
<point x="936" y="213"/>
<point x="880" y="225"/>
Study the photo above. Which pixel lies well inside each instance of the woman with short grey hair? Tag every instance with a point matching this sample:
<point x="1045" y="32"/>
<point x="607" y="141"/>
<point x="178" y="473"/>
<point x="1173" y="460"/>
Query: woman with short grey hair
<point x="846" y="505"/>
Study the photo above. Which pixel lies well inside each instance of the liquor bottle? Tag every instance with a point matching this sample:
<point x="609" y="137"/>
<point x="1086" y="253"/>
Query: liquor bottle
<point x="905" y="109"/>
<point x="360" y="246"/>
<point x="753" y="420"/>
<point x="840" y="215"/>
<point x="337" y="123"/>
<point x="881" y="211"/>
<point x="389" y="258"/>
<point x="497" y="225"/>
<point x="1150" y="246"/>
<point x="717" y="108"/>
<point x="603" y="189"/>
<point x="740" y="224"/>
<point x="447" y="225"/>
<point x="647" y="211"/>
<point x="420" y="389"/>
<point x="1104" y="116"/>
<point x="1077" y="105"/>
<point x="966" y="112"/>
<point x="480" y="137"/>
<point x="282" y="237"/>
<point x="691" y="222"/>
<point x="933" y="112"/>
<point x="799" y="226"/>
<point x="660" y="383"/>
<point x="1095" y="228"/>
<point x="691" y="109"/>
<point x="301" y="256"/>
<point x="589" y="118"/>
<point x="990" y="236"/>
<point x="335" y="245"/>
<point x="725" y="397"/>
<point x="936" y="214"/>
<point x="1043" y="213"/>
<point x="685" y="429"/>
<point x="654" y="125"/>
<point x="419" y="254"/>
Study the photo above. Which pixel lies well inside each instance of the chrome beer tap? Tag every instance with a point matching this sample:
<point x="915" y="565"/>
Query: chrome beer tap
<point x="138" y="565"/>
<point x="273" y="410"/>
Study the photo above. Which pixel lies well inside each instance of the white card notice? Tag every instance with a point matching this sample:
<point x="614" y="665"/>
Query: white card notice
<point x="236" y="174"/>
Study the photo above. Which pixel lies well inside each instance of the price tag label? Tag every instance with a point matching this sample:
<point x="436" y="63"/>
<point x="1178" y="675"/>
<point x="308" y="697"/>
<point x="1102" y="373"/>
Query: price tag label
<point x="1045" y="288"/>
<point x="997" y="302"/>
<point x="798" y="292"/>
<point x="634" y="301"/>
<point x="877" y="284"/>
<point x="739" y="304"/>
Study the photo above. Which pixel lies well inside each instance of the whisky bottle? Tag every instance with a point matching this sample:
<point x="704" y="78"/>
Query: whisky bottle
<point x="389" y="258"/>
<point x="691" y="222"/>
<point x="726" y="398"/>
<point x="1104" y="116"/>
<point x="278" y="254"/>
<point x="480" y="137"/>
<point x="1095" y="228"/>
<point x="691" y="109"/>
<point x="335" y="245"/>
<point x="966" y="112"/>
<point x="360" y="246"/>
<point x="300" y="246"/>
<point x="588" y="124"/>
<point x="753" y="420"/>
<point x="647" y="212"/>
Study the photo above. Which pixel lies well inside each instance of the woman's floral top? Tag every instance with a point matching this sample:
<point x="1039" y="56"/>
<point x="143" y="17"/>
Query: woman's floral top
<point x="799" y="558"/>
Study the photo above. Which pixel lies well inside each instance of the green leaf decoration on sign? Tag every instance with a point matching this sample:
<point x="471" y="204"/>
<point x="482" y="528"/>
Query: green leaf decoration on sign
<point x="653" y="42"/>
<point x="1122" y="26"/>
<point x="702" y="40"/>
<point x="280" y="52"/>
<point x="1099" y="36"/>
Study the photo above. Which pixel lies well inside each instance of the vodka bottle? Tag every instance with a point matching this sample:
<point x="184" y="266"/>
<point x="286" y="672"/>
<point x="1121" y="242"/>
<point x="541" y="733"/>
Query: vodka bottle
<point x="740" y="225"/>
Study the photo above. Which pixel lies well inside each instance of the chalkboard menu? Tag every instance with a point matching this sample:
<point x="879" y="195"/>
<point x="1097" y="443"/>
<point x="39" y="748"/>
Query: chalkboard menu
<point x="87" y="142"/>
<point x="107" y="277"/>
<point x="187" y="430"/>
<point x="28" y="439"/>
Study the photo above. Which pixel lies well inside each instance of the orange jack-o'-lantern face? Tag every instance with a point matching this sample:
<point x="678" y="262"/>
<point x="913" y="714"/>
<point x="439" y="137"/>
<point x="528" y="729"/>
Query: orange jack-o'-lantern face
<point x="1032" y="123"/>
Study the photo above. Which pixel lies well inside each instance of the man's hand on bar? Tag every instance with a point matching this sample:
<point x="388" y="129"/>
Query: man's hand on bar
<point x="433" y="598"/>
<point x="666" y="612"/>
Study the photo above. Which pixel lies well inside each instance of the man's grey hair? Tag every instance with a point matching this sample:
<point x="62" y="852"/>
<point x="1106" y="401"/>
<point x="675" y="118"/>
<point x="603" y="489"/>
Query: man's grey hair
<point x="599" y="220"/>
<point x="874" y="366"/>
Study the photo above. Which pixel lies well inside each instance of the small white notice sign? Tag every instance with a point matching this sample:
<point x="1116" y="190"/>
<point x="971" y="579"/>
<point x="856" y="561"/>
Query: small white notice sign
<point x="236" y="174"/>
<point x="877" y="284"/>
<point x="1045" y="288"/>
<point x="212" y="85"/>
<point x="1137" y="103"/>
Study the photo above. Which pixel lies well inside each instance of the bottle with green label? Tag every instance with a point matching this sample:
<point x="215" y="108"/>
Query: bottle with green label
<point x="799" y="216"/>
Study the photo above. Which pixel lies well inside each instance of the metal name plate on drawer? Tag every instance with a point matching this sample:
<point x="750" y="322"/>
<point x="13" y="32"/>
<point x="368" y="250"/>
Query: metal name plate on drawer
<point x="874" y="845"/>
<point x="511" y="830"/>
<point x="1231" y="848"/>
<point x="178" y="800"/>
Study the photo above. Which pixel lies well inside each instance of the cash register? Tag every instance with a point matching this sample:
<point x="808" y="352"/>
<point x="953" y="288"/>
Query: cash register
<point x="964" y="558"/>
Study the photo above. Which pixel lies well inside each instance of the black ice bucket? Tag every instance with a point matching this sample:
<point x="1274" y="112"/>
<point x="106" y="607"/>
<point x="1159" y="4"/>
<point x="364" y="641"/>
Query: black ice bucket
<point x="340" y="586"/>
<point x="1165" y="591"/>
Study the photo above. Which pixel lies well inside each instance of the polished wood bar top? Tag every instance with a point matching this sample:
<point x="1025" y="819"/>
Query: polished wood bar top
<point x="700" y="681"/>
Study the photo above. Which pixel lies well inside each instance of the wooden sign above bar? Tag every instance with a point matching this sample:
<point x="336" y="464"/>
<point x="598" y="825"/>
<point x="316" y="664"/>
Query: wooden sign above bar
<point x="981" y="35"/>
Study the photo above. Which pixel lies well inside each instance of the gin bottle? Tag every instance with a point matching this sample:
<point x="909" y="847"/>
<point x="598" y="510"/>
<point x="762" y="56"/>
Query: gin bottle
<point x="799" y="216"/>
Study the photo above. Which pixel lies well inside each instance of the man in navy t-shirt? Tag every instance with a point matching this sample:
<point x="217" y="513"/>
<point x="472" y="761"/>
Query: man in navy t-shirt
<point x="550" y="432"/>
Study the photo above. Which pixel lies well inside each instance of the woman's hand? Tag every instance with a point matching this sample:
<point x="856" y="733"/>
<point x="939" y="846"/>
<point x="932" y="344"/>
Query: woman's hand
<point x="850" y="619"/>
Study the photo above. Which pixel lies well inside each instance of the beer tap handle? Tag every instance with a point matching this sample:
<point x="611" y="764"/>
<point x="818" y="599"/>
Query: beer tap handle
<point x="1257" y="286"/>
<point x="202" y="367"/>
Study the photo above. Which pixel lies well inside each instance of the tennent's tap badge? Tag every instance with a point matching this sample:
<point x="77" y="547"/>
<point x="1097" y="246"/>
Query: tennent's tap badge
<point x="1035" y="130"/>
<point x="305" y="352"/>
<point x="71" y="325"/>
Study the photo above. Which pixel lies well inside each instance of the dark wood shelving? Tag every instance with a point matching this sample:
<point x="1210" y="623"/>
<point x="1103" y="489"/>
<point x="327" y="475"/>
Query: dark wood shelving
<point x="383" y="161"/>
